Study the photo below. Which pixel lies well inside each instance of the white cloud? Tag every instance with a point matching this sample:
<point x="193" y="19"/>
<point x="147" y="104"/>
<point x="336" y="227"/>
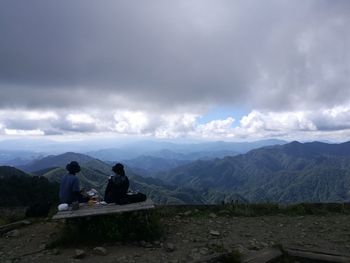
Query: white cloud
<point x="79" y="118"/>
<point x="36" y="132"/>
<point x="274" y="121"/>
<point x="322" y="123"/>
<point x="129" y="122"/>
<point x="176" y="125"/>
<point x="217" y="128"/>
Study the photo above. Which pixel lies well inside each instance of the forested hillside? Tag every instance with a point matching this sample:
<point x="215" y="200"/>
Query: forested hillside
<point x="295" y="172"/>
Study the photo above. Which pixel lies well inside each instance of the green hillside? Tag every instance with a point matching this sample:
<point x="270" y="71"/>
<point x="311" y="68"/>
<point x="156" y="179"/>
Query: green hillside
<point x="6" y="171"/>
<point x="295" y="172"/>
<point x="20" y="189"/>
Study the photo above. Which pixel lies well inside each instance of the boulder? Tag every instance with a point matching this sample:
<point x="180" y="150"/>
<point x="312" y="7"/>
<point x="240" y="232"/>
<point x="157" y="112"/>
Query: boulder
<point x="170" y="247"/>
<point x="12" y="233"/>
<point x="100" y="251"/>
<point x="79" y="253"/>
<point x="214" y="233"/>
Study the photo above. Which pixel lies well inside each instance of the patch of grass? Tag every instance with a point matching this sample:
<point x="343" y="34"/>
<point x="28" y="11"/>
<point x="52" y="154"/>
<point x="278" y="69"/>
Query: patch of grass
<point x="11" y="214"/>
<point x="133" y="226"/>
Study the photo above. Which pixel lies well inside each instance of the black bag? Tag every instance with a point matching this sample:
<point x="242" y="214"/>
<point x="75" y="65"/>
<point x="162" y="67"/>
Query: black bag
<point x="135" y="198"/>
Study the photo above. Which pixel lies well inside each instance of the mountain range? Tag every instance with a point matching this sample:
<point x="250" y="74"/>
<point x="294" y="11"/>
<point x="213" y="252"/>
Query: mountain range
<point x="289" y="173"/>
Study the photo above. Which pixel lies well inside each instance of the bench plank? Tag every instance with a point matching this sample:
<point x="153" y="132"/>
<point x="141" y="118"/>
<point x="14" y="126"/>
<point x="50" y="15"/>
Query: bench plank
<point x="98" y="209"/>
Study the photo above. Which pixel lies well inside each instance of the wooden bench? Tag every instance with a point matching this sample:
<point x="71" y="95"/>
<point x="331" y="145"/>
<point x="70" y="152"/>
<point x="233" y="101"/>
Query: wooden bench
<point x="99" y="209"/>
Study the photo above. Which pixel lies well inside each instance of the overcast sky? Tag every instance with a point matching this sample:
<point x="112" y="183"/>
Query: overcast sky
<point x="229" y="70"/>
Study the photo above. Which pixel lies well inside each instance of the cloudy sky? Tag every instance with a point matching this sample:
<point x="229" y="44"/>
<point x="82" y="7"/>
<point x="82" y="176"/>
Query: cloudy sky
<point x="228" y="70"/>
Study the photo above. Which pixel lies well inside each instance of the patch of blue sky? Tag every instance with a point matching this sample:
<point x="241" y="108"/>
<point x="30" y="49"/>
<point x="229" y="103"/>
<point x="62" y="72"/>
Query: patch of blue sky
<point x="223" y="112"/>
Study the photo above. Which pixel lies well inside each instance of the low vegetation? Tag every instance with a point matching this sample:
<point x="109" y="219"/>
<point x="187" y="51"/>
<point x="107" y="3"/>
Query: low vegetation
<point x="27" y="190"/>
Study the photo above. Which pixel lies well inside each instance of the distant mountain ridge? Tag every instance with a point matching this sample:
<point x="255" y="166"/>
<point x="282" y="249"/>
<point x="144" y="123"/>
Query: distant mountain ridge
<point x="183" y="151"/>
<point x="56" y="161"/>
<point x="294" y="172"/>
<point x="288" y="173"/>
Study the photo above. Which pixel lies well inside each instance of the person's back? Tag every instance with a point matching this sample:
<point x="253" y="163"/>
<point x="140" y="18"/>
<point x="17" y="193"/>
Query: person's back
<point x="116" y="189"/>
<point x="117" y="186"/>
<point x="68" y="188"/>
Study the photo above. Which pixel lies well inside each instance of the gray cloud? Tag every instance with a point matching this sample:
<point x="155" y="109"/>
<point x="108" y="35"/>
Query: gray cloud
<point x="167" y="54"/>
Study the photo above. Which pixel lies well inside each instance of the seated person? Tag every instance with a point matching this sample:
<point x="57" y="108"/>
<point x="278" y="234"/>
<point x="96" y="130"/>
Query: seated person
<point x="70" y="188"/>
<point x="117" y="188"/>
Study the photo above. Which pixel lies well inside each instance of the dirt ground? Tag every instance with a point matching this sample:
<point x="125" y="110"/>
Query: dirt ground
<point x="188" y="238"/>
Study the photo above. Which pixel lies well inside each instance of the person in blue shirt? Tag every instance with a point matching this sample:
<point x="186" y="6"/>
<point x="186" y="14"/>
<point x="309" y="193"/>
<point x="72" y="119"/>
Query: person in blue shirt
<point x="70" y="187"/>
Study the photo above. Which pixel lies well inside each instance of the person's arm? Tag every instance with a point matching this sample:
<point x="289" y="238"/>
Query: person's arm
<point x="76" y="189"/>
<point x="107" y="197"/>
<point x="125" y="186"/>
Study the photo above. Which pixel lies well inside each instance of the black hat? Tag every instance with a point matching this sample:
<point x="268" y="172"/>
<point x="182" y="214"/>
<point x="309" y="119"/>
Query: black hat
<point x="118" y="169"/>
<point x="73" y="167"/>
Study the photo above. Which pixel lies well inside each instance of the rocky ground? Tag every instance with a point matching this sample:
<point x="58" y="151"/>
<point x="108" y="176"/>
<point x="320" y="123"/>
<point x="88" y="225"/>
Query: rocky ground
<point x="188" y="238"/>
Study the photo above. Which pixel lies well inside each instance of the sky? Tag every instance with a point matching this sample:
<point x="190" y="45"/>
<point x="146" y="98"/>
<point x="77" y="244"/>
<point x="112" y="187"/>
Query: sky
<point x="186" y="69"/>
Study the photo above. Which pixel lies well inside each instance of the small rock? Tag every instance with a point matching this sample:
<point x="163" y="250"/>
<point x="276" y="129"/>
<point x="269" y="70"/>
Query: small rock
<point x="79" y="253"/>
<point x="212" y="215"/>
<point x="264" y="244"/>
<point x="157" y="244"/>
<point x="186" y="241"/>
<point x="187" y="213"/>
<point x="145" y="244"/>
<point x="194" y="257"/>
<point x="26" y="222"/>
<point x="55" y="251"/>
<point x="12" y="233"/>
<point x="42" y="246"/>
<point x="214" y="233"/>
<point x="100" y="251"/>
<point x="169" y="247"/>
<point x="224" y="212"/>
<point x="142" y="243"/>
<point x="241" y="249"/>
<point x="204" y="251"/>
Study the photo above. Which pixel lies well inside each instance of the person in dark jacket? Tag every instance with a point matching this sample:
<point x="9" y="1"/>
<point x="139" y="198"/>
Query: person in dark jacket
<point x="117" y="186"/>
<point x="70" y="187"/>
